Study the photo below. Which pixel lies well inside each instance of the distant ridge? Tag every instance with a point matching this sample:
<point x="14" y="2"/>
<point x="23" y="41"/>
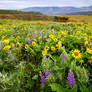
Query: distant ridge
<point x="57" y="11"/>
<point x="18" y="12"/>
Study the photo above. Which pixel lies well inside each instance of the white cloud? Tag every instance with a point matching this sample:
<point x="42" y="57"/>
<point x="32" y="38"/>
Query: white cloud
<point x="19" y="4"/>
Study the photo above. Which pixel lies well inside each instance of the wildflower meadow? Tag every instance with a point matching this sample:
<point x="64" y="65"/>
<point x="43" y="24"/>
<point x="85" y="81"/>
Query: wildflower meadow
<point x="46" y="57"/>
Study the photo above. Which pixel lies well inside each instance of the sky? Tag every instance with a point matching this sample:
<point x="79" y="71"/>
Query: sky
<point x="21" y="4"/>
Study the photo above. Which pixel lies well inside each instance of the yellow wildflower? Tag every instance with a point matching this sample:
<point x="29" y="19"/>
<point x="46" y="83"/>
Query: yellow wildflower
<point x="33" y="43"/>
<point x="44" y="52"/>
<point x="26" y="46"/>
<point x="12" y="44"/>
<point x="58" y="46"/>
<point x="59" y="42"/>
<point x="51" y="36"/>
<point x="89" y="50"/>
<point x="6" y="41"/>
<point x="55" y="40"/>
<point x="7" y="47"/>
<point x="59" y="34"/>
<point x="62" y="39"/>
<point x="90" y="60"/>
<point x="53" y="48"/>
<point x="86" y="42"/>
<point x="76" y="54"/>
<point x="46" y="48"/>
<point x="19" y="44"/>
<point x="71" y="36"/>
<point x="85" y="38"/>
<point x="3" y="37"/>
<point x="78" y="38"/>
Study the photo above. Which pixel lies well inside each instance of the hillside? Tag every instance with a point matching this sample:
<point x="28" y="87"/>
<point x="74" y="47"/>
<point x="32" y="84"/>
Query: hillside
<point x="18" y="12"/>
<point x="81" y="13"/>
<point x="20" y="15"/>
<point x="57" y="11"/>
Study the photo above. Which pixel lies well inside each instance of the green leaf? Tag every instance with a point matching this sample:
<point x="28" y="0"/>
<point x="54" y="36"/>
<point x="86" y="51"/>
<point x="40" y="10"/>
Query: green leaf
<point x="35" y="77"/>
<point x="56" y="87"/>
<point x="84" y="88"/>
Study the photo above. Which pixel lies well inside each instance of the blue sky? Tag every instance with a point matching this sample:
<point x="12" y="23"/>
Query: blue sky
<point x="20" y="4"/>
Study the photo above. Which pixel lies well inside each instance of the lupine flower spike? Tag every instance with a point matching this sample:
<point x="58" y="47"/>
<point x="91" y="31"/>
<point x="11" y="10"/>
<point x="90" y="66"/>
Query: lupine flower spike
<point x="71" y="78"/>
<point x="63" y="57"/>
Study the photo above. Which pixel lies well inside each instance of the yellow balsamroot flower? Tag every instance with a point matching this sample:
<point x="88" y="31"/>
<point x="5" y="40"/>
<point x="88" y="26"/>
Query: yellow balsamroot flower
<point x="84" y="34"/>
<point x="90" y="60"/>
<point x="26" y="46"/>
<point x="59" y="34"/>
<point x="7" y="47"/>
<point x="6" y="41"/>
<point x="33" y="43"/>
<point x="52" y="30"/>
<point x="53" y="48"/>
<point x="34" y="39"/>
<point x="59" y="43"/>
<point x="51" y="36"/>
<point x="44" y="52"/>
<point x="39" y="37"/>
<point x="62" y="39"/>
<point x="79" y="38"/>
<point x="86" y="42"/>
<point x="64" y="33"/>
<point x="71" y="36"/>
<point x="3" y="37"/>
<point x="46" y="48"/>
<point x="90" y="36"/>
<point x="12" y="44"/>
<point x="76" y="54"/>
<point x="58" y="46"/>
<point x="85" y="38"/>
<point x="19" y="44"/>
<point x="55" y="40"/>
<point x="78" y="32"/>
<point x="18" y="37"/>
<point x="89" y="50"/>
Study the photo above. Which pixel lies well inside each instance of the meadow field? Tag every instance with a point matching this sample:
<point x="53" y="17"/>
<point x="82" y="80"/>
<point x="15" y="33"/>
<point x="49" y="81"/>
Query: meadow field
<point x="45" y="56"/>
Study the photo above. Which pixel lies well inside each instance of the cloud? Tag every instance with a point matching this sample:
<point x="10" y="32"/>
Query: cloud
<point x="20" y="4"/>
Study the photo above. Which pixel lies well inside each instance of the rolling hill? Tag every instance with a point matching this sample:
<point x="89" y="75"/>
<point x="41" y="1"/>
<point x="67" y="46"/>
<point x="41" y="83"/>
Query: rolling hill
<point x="57" y="11"/>
<point x="20" y="15"/>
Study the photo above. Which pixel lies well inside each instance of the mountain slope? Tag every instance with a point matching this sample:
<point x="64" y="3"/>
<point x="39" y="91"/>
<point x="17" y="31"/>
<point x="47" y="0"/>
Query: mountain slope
<point x="57" y="10"/>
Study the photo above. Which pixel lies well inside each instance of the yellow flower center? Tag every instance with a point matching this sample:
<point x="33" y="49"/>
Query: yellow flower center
<point x="76" y="53"/>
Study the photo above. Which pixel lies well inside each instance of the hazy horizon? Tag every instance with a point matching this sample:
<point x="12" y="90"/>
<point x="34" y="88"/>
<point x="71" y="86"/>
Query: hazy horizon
<point x="16" y="4"/>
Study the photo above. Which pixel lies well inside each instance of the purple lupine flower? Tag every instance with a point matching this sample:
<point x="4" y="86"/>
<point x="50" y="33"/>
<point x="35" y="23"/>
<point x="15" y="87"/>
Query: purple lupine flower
<point x="55" y="63"/>
<point x="43" y="38"/>
<point x="28" y="41"/>
<point x="9" y="53"/>
<point x="91" y="46"/>
<point x="11" y="57"/>
<point x="40" y="33"/>
<point x="32" y="39"/>
<point x="70" y="78"/>
<point x="47" y="73"/>
<point x="0" y="45"/>
<point x="15" y="31"/>
<point x="32" y="35"/>
<point x="21" y="45"/>
<point x="63" y="57"/>
<point x="43" y="80"/>
<point x="13" y="47"/>
<point x="46" y="36"/>
<point x="40" y="74"/>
